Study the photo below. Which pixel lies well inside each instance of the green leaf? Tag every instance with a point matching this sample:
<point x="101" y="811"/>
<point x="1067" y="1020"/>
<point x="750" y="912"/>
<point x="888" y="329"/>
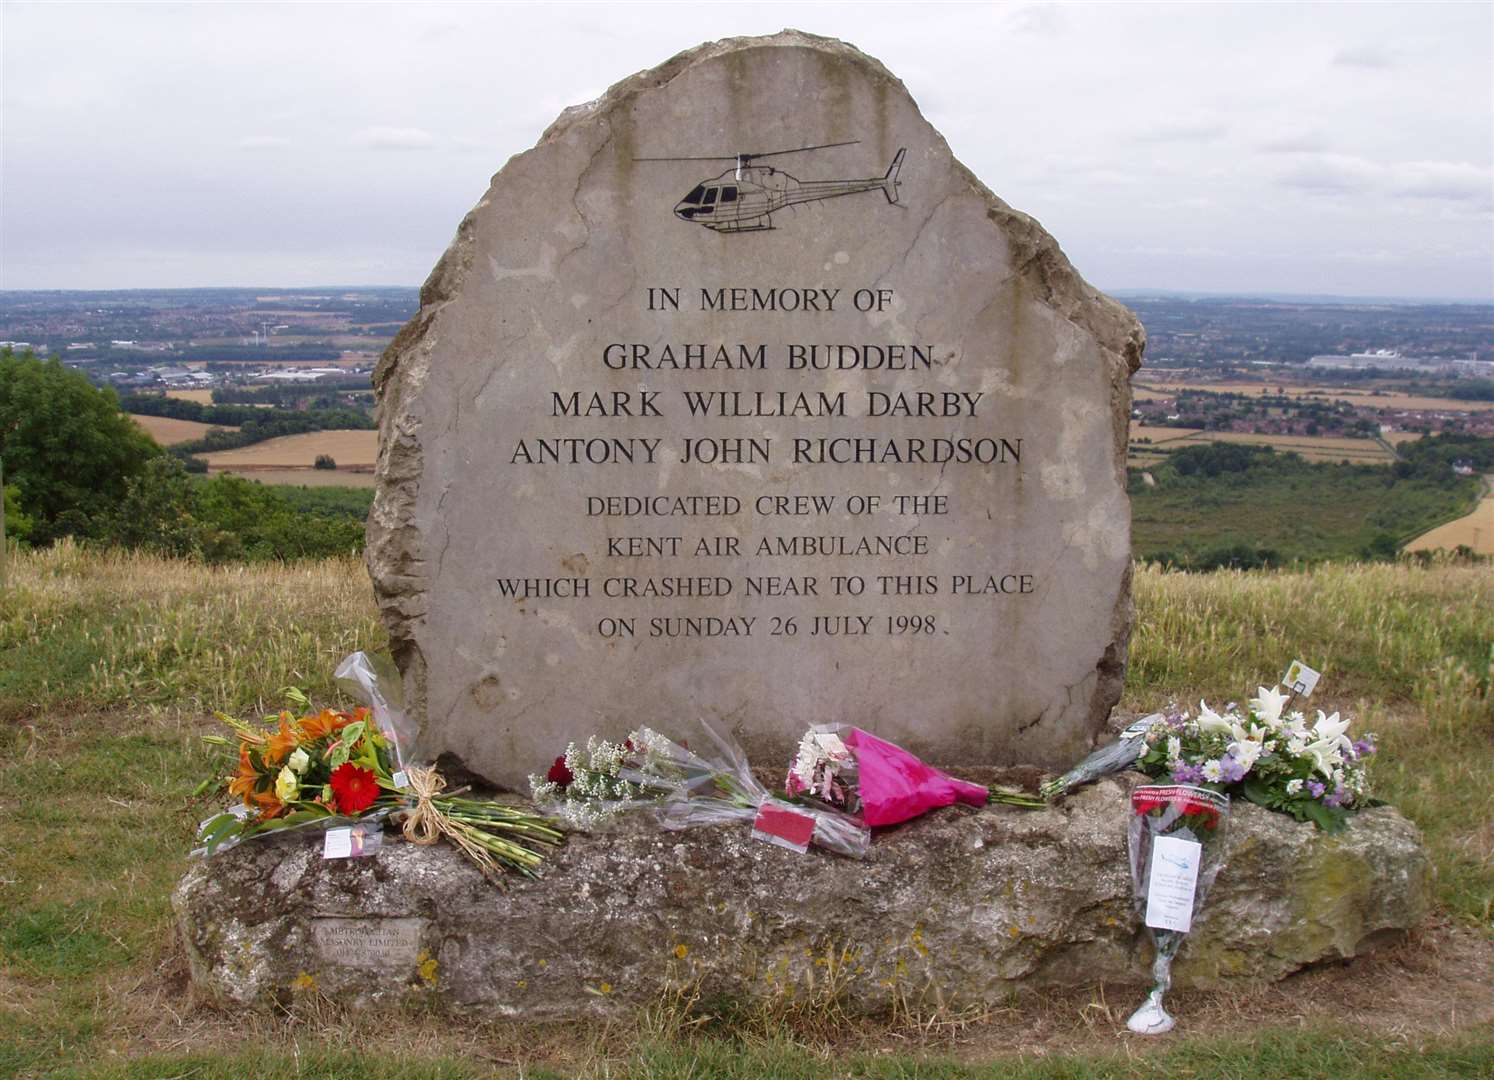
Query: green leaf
<point x="1258" y="793"/>
<point x="219" y="829"/>
<point x="1324" y="817"/>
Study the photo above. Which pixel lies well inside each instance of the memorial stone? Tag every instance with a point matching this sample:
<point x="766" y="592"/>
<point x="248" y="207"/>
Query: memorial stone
<point x="738" y="397"/>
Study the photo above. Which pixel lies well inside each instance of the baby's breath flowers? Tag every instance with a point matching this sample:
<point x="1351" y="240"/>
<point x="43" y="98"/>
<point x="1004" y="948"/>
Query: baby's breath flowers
<point x="589" y="786"/>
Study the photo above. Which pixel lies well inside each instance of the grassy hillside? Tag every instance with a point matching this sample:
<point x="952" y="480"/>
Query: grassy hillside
<point x="1247" y="507"/>
<point x="112" y="662"/>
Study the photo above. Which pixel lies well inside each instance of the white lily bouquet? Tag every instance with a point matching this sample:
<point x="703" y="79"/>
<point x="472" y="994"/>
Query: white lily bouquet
<point x="1277" y="759"/>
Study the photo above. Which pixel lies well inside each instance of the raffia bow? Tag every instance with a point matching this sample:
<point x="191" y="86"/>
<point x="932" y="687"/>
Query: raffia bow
<point x="425" y="824"/>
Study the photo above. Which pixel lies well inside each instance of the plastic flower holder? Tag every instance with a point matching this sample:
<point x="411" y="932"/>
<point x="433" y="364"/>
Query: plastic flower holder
<point x="1112" y="758"/>
<point x="1176" y="837"/>
<point x="731" y="793"/>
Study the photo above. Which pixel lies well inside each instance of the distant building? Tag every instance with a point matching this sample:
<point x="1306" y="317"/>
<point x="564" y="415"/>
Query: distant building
<point x="299" y="375"/>
<point x="1390" y="360"/>
<point x="1379" y="358"/>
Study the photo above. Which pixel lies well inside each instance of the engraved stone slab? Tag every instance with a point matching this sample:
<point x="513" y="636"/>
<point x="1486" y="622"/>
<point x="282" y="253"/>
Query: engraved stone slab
<point x="368" y="943"/>
<point x="739" y="397"/>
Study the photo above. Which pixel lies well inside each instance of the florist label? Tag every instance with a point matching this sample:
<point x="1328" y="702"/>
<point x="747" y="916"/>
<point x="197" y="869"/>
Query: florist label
<point x="830" y="435"/>
<point x="1170" y="887"/>
<point x="368" y="943"/>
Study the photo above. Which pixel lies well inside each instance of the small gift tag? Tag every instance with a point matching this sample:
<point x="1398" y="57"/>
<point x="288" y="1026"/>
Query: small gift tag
<point x="352" y="842"/>
<point x="400" y="780"/>
<point x="1301" y="679"/>
<point x="1170" y="888"/>
<point x="780" y="824"/>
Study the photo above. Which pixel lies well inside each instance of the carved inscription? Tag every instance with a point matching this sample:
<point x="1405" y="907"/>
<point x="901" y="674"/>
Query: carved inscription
<point x="846" y="509"/>
<point x="368" y="943"/>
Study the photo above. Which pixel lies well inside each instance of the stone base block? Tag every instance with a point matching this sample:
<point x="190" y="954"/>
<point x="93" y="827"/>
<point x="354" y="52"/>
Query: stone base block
<point x="962" y="906"/>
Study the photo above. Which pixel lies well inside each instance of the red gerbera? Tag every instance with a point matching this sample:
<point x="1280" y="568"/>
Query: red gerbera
<point x="355" y="788"/>
<point x="559" y="774"/>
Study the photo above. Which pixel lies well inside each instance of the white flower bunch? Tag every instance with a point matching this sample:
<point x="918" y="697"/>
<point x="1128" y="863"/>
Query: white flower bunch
<point x="1279" y="759"/>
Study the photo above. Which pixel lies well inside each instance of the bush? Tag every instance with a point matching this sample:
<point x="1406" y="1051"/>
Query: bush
<point x="67" y="448"/>
<point x="324" y="461"/>
<point x="223" y="519"/>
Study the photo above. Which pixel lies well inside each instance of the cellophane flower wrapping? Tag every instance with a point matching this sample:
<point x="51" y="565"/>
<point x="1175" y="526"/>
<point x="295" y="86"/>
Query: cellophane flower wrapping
<point x="334" y="767"/>
<point x="377" y="684"/>
<point x="1107" y="760"/>
<point x="881" y="782"/>
<point x="736" y="795"/>
<point x="360" y="677"/>
<point x="1188" y="813"/>
<point x="591" y="785"/>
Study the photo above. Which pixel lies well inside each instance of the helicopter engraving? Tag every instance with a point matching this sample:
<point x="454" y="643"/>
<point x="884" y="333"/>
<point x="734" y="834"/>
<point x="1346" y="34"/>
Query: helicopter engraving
<point x="745" y="198"/>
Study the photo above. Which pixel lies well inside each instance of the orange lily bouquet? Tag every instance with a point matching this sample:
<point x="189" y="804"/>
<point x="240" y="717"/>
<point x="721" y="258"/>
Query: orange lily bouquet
<point x="330" y="767"/>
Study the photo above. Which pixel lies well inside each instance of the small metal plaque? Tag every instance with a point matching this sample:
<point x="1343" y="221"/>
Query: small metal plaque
<point x="368" y="943"/>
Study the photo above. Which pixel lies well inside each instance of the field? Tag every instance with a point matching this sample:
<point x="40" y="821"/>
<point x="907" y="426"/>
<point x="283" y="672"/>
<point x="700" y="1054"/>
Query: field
<point x="1311" y="447"/>
<point x="350" y="449"/>
<point x="1475" y="531"/>
<point x="168" y="431"/>
<point x="113" y="662"/>
<point x="1360" y="396"/>
<point x="202" y="397"/>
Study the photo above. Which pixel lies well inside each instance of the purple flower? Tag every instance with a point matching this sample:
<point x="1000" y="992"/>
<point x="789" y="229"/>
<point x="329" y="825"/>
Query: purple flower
<point x="1188" y="774"/>
<point x="1363" y="747"/>
<point x="1337" y="798"/>
<point x="1316" y="788"/>
<point x="1230" y="770"/>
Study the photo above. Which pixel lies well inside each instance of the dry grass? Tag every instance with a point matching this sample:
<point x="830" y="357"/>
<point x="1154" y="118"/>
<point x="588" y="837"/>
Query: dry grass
<point x="121" y="628"/>
<point x="348" y="448"/>
<point x="168" y="430"/>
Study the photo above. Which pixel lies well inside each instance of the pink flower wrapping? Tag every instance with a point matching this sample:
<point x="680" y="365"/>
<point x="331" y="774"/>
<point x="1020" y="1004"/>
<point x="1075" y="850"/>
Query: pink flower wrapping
<point x="896" y="786"/>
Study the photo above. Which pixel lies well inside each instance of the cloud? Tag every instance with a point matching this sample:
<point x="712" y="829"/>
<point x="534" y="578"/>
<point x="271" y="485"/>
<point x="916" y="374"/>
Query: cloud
<point x="263" y="142"/>
<point x="1041" y="20"/>
<point x="1451" y="181"/>
<point x="1302" y="142"/>
<point x="1331" y="173"/>
<point x="1364" y="56"/>
<point x="395" y="138"/>
<point x="1181" y="133"/>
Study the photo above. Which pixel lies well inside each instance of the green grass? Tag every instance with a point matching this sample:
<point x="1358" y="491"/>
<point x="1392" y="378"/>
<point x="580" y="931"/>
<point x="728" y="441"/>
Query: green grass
<point x="1301" y="1055"/>
<point x="111" y="663"/>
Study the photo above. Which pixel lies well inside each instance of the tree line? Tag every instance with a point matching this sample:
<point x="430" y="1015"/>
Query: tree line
<point x="76" y="465"/>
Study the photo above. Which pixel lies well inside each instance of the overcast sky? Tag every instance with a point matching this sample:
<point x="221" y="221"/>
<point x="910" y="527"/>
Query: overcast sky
<point x="1323" y="148"/>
